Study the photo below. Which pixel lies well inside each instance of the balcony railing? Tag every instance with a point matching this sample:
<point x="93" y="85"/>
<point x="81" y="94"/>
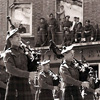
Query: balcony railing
<point x="59" y="40"/>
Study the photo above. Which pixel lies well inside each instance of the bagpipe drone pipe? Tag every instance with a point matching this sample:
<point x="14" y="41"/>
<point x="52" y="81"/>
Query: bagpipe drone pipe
<point x="55" y="50"/>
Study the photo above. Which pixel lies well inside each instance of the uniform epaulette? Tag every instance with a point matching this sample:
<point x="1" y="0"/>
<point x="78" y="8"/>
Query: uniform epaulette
<point x="42" y="73"/>
<point x="8" y="50"/>
<point x="63" y="64"/>
<point x="3" y="54"/>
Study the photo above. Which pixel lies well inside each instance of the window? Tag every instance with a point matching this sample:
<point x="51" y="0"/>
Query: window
<point x="73" y="9"/>
<point x="21" y="15"/>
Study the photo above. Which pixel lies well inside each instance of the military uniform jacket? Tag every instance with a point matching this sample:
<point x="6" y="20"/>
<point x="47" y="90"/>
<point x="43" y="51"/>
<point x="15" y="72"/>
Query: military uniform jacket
<point x="3" y="77"/>
<point x="79" y="30"/>
<point x="67" y="24"/>
<point x="70" y="74"/>
<point x="42" y="26"/>
<point x="18" y="84"/>
<point x="90" y="30"/>
<point x="46" y="85"/>
<point x="52" y="22"/>
<point x="46" y="80"/>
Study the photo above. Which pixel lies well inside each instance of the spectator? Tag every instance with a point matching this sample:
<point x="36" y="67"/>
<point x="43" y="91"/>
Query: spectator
<point x="74" y="23"/>
<point x="79" y="32"/>
<point x="22" y="29"/>
<point x="88" y="31"/>
<point x="61" y="15"/>
<point x="73" y="28"/>
<point x="66" y="24"/>
<point x="67" y="38"/>
<point x="52" y="27"/>
<point x="42" y="32"/>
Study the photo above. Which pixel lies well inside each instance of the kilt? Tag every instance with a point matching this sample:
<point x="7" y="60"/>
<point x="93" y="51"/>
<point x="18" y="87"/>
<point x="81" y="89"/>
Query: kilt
<point x="46" y="94"/>
<point x="18" y="89"/>
<point x="2" y="93"/>
<point x="89" y="96"/>
<point x="72" y="93"/>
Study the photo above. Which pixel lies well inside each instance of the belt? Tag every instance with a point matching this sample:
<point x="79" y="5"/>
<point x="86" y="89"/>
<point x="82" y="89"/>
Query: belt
<point x="79" y="32"/>
<point x="41" y="29"/>
<point x="66" y="27"/>
<point x="86" y="32"/>
<point x="69" y="85"/>
<point x="46" y="90"/>
<point x="51" y="25"/>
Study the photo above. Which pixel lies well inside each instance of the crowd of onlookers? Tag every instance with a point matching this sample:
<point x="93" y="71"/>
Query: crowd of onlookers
<point x="72" y="31"/>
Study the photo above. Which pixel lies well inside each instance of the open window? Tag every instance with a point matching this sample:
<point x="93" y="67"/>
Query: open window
<point x="21" y="15"/>
<point x="73" y="8"/>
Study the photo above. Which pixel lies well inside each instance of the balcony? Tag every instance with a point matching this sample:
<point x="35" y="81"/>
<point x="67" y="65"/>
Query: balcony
<point x="59" y="39"/>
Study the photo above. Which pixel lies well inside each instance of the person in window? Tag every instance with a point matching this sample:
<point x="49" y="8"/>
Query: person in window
<point x="70" y="76"/>
<point x="22" y="29"/>
<point x="16" y="61"/>
<point x="42" y="32"/>
<point x="52" y="26"/>
<point x="88" y="31"/>
<point x="46" y="82"/>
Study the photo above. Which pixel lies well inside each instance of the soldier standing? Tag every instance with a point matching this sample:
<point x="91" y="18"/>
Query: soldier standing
<point x="3" y="79"/>
<point x="70" y="76"/>
<point x="90" y="93"/>
<point x="52" y="26"/>
<point x="16" y="62"/>
<point x="61" y="15"/>
<point x="42" y="32"/>
<point x="46" y="82"/>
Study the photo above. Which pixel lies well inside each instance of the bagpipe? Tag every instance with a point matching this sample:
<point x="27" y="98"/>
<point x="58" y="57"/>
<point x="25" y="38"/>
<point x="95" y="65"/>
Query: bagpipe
<point x="33" y="56"/>
<point x="82" y="66"/>
<point x="53" y="47"/>
<point x="56" y="78"/>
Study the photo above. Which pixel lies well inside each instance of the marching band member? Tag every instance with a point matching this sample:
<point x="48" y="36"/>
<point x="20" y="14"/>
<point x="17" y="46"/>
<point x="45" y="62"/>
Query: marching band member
<point x="18" y="87"/>
<point x="3" y="78"/>
<point x="46" y="82"/>
<point x="90" y="94"/>
<point x="70" y="76"/>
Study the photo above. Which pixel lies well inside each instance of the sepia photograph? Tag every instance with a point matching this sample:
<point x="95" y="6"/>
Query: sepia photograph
<point x="49" y="50"/>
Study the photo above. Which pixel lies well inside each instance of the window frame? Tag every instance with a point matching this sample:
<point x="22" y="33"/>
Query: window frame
<point x="11" y="13"/>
